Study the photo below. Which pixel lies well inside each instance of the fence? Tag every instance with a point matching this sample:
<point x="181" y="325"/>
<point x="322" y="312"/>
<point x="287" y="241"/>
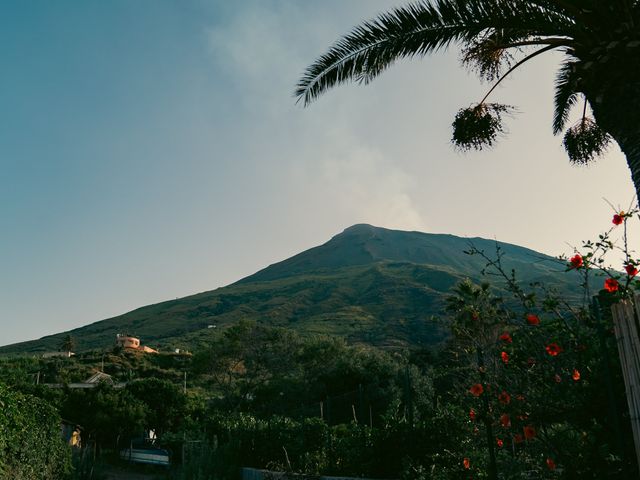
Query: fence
<point x="627" y="329"/>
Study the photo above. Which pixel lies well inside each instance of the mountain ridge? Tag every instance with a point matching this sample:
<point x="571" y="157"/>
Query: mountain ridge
<point x="367" y="284"/>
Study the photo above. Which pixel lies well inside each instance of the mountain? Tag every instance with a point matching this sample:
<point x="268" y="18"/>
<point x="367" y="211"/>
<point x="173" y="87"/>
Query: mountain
<point x="367" y="284"/>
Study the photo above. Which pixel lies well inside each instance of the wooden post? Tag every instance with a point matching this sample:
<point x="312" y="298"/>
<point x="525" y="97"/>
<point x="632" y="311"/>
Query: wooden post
<point x="606" y="364"/>
<point x="625" y="324"/>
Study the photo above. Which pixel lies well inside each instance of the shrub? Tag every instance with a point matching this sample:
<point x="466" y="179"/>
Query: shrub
<point x="31" y="446"/>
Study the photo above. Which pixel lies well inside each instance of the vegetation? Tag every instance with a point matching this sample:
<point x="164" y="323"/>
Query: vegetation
<point x="600" y="41"/>
<point x="526" y="385"/>
<point x="368" y="285"/>
<point x="30" y="443"/>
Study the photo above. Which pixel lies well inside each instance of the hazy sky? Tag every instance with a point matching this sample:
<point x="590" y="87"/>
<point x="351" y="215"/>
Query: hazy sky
<point x="152" y="149"/>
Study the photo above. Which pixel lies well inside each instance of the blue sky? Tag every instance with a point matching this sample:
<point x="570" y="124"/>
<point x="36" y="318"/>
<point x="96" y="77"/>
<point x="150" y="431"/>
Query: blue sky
<point x="153" y="149"/>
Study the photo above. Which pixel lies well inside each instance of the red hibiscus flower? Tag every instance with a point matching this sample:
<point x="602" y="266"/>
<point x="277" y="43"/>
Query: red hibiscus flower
<point x="529" y="432"/>
<point x="611" y="285"/>
<point x="532" y="319"/>
<point x="618" y="218"/>
<point x="504" y="356"/>
<point x="551" y="465"/>
<point x="476" y="390"/>
<point x="518" y="438"/>
<point x="472" y="415"/>
<point x="504" y="398"/>
<point x="631" y="269"/>
<point x="553" y="349"/>
<point x="575" y="375"/>
<point x="505" y="420"/>
<point x="499" y="442"/>
<point x="505" y="337"/>
<point x="466" y="463"/>
<point x="576" y="261"/>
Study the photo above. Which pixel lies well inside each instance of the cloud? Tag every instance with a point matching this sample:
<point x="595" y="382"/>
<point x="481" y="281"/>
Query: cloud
<point x="358" y="184"/>
<point x="333" y="168"/>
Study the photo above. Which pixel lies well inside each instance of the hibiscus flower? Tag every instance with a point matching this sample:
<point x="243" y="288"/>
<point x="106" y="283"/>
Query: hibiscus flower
<point x="631" y="269"/>
<point x="618" y="218"/>
<point x="529" y="432"/>
<point x="472" y="415"/>
<point x="466" y="463"/>
<point x="504" y="356"/>
<point x="576" y="261"/>
<point x="611" y="285"/>
<point x="476" y="390"/>
<point x="553" y="349"/>
<point x="505" y="420"/>
<point x="533" y="319"/>
<point x="499" y="442"/>
<point x="504" y="398"/>
<point x="575" y="375"/>
<point x="505" y="337"/>
<point x="551" y="465"/>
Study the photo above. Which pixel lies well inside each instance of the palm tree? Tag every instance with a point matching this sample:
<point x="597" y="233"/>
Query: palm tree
<point x="600" y="40"/>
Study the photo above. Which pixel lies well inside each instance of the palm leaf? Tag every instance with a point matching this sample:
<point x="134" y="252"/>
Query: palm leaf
<point x="565" y="97"/>
<point x="419" y="29"/>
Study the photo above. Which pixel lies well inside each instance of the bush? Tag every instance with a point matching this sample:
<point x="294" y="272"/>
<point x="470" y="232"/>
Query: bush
<point x="30" y="443"/>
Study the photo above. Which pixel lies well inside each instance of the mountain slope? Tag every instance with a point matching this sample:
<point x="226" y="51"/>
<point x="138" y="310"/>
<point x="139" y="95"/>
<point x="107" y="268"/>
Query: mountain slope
<point x="367" y="284"/>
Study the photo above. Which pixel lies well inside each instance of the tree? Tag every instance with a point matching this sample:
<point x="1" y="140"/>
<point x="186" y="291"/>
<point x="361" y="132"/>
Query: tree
<point x="30" y="442"/>
<point x="165" y="403"/>
<point x="600" y="40"/>
<point x="68" y="344"/>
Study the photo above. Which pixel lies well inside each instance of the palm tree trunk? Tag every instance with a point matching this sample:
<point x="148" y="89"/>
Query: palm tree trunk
<point x="630" y="146"/>
<point x="616" y="108"/>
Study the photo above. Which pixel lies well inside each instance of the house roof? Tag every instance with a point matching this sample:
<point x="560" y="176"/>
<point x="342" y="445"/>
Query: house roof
<point x="99" y="377"/>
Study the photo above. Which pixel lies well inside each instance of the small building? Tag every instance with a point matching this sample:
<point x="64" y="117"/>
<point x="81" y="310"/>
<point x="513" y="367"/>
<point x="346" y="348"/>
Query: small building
<point x="99" y="377"/>
<point x="132" y="343"/>
<point x="126" y="341"/>
<point x="58" y="354"/>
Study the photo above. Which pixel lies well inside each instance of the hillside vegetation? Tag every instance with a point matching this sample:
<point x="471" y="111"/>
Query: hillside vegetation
<point x="367" y="284"/>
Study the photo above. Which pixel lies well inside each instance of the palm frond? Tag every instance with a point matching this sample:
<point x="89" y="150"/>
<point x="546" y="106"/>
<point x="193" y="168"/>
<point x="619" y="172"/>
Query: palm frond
<point x="419" y="29"/>
<point x="566" y="95"/>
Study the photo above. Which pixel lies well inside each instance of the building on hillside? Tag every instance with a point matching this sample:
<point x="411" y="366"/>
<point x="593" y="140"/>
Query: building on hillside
<point x="58" y="354"/>
<point x="126" y="341"/>
<point x="132" y="343"/>
<point x="93" y="381"/>
<point x="99" y="377"/>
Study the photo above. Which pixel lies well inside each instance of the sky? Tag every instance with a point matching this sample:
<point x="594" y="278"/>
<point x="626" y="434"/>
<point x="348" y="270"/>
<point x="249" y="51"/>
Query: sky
<point x="153" y="149"/>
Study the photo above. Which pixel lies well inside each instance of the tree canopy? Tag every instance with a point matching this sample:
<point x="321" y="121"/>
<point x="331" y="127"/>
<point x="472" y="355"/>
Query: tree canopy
<point x="600" y="40"/>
